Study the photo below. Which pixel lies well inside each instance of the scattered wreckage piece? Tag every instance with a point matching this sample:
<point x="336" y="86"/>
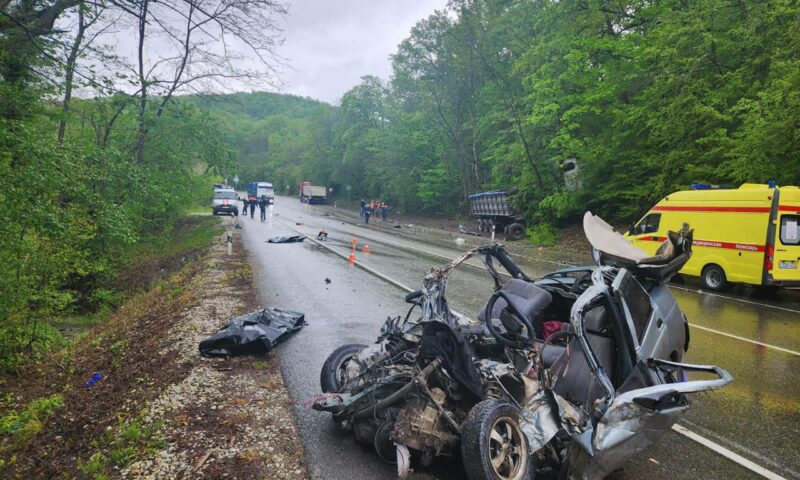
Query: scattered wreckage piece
<point x="255" y="333"/>
<point x="287" y="239"/>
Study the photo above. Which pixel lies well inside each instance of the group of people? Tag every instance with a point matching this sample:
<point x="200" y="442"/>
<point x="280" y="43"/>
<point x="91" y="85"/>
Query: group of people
<point x="373" y="208"/>
<point x="252" y="202"/>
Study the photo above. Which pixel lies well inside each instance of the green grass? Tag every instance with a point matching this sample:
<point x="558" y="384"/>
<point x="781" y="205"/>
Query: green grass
<point x="131" y="441"/>
<point x="23" y="424"/>
<point x="542" y="234"/>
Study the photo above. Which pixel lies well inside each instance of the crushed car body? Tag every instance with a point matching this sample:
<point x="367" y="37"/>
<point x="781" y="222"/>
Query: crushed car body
<point x="573" y="373"/>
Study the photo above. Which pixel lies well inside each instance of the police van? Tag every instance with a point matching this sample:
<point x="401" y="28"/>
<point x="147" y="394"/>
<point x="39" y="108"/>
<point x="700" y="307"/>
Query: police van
<point x="749" y="234"/>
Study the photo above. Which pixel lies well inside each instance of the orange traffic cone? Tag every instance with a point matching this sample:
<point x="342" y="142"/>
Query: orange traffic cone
<point x="366" y="249"/>
<point x="354" y="241"/>
<point x="352" y="257"/>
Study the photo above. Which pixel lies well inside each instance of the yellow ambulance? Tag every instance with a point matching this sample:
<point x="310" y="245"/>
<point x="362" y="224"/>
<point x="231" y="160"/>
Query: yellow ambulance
<point x="749" y="234"/>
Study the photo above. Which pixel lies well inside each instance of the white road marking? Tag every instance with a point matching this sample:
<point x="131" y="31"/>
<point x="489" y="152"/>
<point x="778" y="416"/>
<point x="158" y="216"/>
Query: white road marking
<point x="710" y="444"/>
<point x="730" y="455"/>
<point x="749" y="302"/>
<point x="737" y="337"/>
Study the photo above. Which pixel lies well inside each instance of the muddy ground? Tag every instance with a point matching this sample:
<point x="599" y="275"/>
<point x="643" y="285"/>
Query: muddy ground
<point x="160" y="410"/>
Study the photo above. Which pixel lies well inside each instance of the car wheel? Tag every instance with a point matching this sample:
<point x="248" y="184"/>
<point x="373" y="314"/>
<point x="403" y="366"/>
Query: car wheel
<point x="714" y="278"/>
<point x="332" y="374"/>
<point x="493" y="445"/>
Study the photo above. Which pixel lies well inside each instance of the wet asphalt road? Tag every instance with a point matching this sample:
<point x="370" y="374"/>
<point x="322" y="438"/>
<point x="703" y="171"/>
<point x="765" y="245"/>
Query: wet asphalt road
<point x="757" y="417"/>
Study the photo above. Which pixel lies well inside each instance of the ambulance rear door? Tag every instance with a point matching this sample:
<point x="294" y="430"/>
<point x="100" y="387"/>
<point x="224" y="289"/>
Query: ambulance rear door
<point x="786" y="246"/>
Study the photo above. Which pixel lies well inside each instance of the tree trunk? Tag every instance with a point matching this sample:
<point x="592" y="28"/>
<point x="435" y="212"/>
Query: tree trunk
<point x="142" y="125"/>
<point x="69" y="74"/>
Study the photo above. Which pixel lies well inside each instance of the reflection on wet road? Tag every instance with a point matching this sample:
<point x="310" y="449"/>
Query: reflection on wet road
<point x="758" y="416"/>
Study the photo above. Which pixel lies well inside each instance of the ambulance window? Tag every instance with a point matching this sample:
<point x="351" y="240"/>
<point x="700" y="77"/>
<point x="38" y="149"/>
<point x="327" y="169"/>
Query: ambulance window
<point x="790" y="234"/>
<point x="649" y="224"/>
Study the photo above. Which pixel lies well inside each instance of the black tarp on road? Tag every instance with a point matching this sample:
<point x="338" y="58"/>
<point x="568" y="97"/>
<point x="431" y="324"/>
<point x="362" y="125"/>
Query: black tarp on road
<point x="292" y="239"/>
<point x="253" y="334"/>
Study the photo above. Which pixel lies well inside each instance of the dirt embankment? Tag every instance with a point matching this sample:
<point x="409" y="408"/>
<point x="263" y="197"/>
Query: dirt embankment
<point x="160" y="410"/>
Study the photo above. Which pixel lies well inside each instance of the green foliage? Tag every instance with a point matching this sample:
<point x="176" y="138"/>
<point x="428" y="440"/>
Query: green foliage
<point x="648" y="97"/>
<point x="558" y="206"/>
<point x="22" y="425"/>
<point x="69" y="212"/>
<point x="542" y="234"/>
<point x="130" y="441"/>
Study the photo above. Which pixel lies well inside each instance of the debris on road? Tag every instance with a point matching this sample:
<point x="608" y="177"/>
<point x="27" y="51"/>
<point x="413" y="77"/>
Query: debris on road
<point x="322" y="235"/>
<point x="284" y="239"/>
<point x="95" y="378"/>
<point x="253" y="334"/>
<point x="327" y="280"/>
<point x="397" y="226"/>
<point x="464" y="230"/>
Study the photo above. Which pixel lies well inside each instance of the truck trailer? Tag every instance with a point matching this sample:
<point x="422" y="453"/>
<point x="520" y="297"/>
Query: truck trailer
<point x="494" y="214"/>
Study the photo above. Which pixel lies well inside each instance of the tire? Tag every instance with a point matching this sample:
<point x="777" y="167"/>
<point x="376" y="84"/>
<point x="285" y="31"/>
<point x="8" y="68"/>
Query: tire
<point x="714" y="278"/>
<point x="492" y="431"/>
<point x="515" y="231"/>
<point x="329" y="377"/>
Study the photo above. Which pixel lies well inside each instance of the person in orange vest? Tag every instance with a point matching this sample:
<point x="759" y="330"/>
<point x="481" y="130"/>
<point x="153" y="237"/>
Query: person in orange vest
<point x="371" y="204"/>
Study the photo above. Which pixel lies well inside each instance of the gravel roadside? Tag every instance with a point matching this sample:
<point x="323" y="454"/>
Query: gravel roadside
<point x="229" y="418"/>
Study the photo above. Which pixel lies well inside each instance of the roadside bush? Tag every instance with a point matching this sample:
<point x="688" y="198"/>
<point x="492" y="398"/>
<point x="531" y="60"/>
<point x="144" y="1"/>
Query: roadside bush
<point x="542" y="234"/>
<point x="19" y="343"/>
<point x="558" y="206"/>
<point x="22" y="425"/>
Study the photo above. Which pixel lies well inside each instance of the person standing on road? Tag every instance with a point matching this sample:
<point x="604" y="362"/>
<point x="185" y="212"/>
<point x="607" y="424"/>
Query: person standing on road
<point x="367" y="213"/>
<point x="361" y="209"/>
<point x="252" y="202"/>
<point x="262" y="206"/>
<point x="244" y="205"/>
<point x="384" y="211"/>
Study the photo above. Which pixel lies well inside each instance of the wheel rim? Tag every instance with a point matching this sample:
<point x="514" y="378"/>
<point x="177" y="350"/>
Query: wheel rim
<point x="341" y="370"/>
<point x="507" y="453"/>
<point x="714" y="278"/>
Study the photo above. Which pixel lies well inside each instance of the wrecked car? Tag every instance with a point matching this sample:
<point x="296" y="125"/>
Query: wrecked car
<point x="572" y="374"/>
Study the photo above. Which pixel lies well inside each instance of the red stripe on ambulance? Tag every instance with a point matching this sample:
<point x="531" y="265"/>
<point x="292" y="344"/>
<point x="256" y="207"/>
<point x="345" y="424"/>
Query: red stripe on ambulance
<point x="715" y="244"/>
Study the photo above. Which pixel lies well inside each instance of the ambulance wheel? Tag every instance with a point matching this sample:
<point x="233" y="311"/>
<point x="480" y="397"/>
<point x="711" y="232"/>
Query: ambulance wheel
<point x="714" y="277"/>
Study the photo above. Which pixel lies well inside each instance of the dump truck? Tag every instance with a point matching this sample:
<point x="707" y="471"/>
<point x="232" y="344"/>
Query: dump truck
<point x="312" y="193"/>
<point x="494" y="214"/>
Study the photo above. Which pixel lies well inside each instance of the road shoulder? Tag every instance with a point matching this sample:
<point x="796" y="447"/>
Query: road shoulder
<point x="160" y="410"/>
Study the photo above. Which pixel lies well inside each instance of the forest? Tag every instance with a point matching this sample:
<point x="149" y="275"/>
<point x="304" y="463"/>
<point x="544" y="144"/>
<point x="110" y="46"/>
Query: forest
<point x="100" y="149"/>
<point x="97" y="160"/>
<point x="646" y="97"/>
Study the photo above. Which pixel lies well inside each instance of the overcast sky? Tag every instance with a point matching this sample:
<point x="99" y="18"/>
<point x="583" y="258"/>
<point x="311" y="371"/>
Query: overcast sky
<point x="330" y="44"/>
